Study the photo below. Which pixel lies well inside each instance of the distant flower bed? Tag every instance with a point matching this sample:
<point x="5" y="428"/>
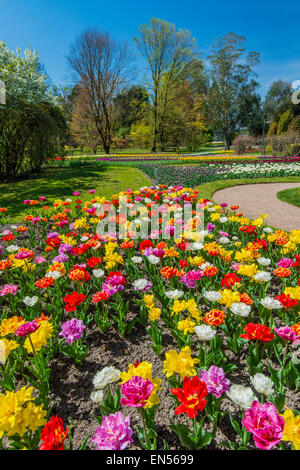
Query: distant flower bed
<point x="160" y="160"/>
<point x="193" y="175"/>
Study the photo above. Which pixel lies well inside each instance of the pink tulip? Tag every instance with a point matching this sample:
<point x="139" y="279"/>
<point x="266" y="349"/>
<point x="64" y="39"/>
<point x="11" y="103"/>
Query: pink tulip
<point x="266" y="425"/>
<point x="136" y="391"/>
<point x="27" y="329"/>
<point x="287" y="334"/>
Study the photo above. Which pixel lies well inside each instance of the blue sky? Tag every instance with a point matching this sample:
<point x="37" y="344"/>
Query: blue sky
<point x="270" y="27"/>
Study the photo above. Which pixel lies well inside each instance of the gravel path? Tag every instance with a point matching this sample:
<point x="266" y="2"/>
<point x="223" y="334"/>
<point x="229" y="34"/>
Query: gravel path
<point x="259" y="198"/>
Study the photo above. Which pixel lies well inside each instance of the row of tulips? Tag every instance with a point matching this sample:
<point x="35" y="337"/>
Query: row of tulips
<point x="192" y="175"/>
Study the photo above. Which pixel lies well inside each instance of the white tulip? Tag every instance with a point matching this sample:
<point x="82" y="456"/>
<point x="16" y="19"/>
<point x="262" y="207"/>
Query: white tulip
<point x="140" y="284"/>
<point x="270" y="303"/>
<point x="264" y="261"/>
<point x="30" y="301"/>
<point x="262" y="384"/>
<point x="54" y="274"/>
<point x="106" y="376"/>
<point x="242" y="396"/>
<point x="241" y="309"/>
<point x="212" y="295"/>
<point x="262" y="276"/>
<point x="98" y="273"/>
<point x="97" y="396"/>
<point x="224" y="240"/>
<point x="12" y="248"/>
<point x="153" y="259"/>
<point x="205" y="332"/>
<point x="174" y="294"/>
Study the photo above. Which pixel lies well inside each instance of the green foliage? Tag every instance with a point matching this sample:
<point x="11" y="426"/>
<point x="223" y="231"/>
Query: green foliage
<point x="29" y="133"/>
<point x="231" y="86"/>
<point x="272" y="129"/>
<point x="286" y="144"/>
<point x="285" y="120"/>
<point x="65" y="97"/>
<point x="169" y="54"/>
<point x="23" y="76"/>
<point x="295" y="125"/>
<point x="130" y="106"/>
<point x="268" y="150"/>
<point x="32" y="127"/>
<point x="141" y="134"/>
<point x="278" y="99"/>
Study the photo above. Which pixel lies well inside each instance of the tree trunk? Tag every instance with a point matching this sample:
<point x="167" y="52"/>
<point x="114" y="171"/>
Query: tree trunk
<point x="155" y="123"/>
<point x="227" y="141"/>
<point x="161" y="138"/>
<point x="106" y="147"/>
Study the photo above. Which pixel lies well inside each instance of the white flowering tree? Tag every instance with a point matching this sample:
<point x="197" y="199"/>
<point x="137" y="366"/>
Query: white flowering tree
<point x="32" y="125"/>
<point x="22" y="75"/>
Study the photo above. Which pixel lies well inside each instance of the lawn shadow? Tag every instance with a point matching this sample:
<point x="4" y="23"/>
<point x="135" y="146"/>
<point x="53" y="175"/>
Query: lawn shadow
<point x="58" y="183"/>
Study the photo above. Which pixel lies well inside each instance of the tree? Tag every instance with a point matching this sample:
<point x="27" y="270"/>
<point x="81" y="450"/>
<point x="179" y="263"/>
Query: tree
<point x="29" y="133"/>
<point x="168" y="53"/>
<point x="82" y="125"/>
<point x="185" y="122"/>
<point x="65" y="97"/>
<point x="23" y="76"/>
<point x="32" y="127"/>
<point x="284" y="121"/>
<point x="130" y="105"/>
<point x="250" y="109"/>
<point x="230" y="73"/>
<point x="141" y="134"/>
<point x="278" y="99"/>
<point x="272" y="129"/>
<point x="102" y="66"/>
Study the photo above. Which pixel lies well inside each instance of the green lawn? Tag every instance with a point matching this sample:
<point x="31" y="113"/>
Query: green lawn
<point x="292" y="196"/>
<point x="55" y="183"/>
<point x="208" y="189"/>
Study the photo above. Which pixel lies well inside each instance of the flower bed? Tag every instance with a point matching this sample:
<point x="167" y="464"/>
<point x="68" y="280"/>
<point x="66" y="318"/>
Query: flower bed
<point x="194" y="175"/>
<point x="155" y="342"/>
<point x="169" y="159"/>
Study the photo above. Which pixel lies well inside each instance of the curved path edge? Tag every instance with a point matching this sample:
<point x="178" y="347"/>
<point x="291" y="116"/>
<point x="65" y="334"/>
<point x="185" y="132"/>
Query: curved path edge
<point x="260" y="198"/>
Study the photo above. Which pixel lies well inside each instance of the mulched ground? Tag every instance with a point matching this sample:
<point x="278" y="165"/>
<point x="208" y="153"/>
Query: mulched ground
<point x="71" y="385"/>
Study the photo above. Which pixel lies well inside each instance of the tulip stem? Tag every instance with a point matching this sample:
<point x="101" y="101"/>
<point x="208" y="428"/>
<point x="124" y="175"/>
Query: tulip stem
<point x="144" y="425"/>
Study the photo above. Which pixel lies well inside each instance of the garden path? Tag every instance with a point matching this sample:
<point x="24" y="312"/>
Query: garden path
<point x="260" y="198"/>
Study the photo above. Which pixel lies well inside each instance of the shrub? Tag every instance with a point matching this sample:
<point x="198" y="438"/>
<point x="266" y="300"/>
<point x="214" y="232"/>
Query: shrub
<point x="287" y="144"/>
<point x="268" y="150"/>
<point x="119" y="143"/>
<point x="272" y="129"/>
<point x="294" y="127"/>
<point x="242" y="143"/>
<point x="284" y="122"/>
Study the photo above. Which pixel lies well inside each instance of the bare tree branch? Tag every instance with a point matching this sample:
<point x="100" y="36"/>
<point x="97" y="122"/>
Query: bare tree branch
<point x="102" y="67"/>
